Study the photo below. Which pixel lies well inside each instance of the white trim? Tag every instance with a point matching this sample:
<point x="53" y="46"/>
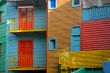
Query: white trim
<point x="26" y="7"/>
<point x="49" y="7"/>
<point x="99" y="4"/>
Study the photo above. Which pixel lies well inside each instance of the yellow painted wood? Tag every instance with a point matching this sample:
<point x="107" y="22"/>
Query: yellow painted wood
<point x="26" y="68"/>
<point x="88" y="59"/>
<point x="20" y="31"/>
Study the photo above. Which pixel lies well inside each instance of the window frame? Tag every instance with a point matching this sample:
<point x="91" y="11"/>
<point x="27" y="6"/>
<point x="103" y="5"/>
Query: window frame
<point x="73" y="4"/>
<point x="73" y="34"/>
<point x="49" y="42"/>
<point x="49" y="5"/>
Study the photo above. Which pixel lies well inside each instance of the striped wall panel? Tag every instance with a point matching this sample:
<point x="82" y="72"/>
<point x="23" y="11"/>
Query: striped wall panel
<point x="96" y="13"/>
<point x="39" y="49"/>
<point x="87" y="59"/>
<point x="95" y="35"/>
<point x="39" y="38"/>
<point x="3" y="9"/>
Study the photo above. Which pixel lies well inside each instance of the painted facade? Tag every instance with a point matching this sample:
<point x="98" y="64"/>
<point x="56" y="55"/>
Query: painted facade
<point x="3" y="24"/>
<point x="32" y="26"/>
<point x="34" y="32"/>
<point x="95" y="25"/>
<point x="60" y="23"/>
<point x="27" y="25"/>
<point x="23" y="36"/>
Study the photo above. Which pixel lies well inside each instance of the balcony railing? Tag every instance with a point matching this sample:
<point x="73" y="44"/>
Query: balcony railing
<point x="17" y="26"/>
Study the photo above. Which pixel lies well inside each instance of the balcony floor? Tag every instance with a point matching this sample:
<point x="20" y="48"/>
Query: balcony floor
<point x="21" y="31"/>
<point x="16" y="69"/>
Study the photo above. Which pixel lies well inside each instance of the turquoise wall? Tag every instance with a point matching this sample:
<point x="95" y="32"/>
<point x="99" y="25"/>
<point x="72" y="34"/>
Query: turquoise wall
<point x="38" y="37"/>
<point x="3" y="9"/>
<point x="39" y="16"/>
<point x="39" y="48"/>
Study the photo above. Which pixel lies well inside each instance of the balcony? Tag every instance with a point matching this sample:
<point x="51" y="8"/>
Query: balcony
<point x="36" y="3"/>
<point x="39" y="25"/>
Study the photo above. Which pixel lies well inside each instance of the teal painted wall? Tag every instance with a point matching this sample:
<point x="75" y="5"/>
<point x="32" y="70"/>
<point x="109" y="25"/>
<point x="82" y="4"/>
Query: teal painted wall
<point x="3" y="8"/>
<point x="39" y="16"/>
<point x="38" y="37"/>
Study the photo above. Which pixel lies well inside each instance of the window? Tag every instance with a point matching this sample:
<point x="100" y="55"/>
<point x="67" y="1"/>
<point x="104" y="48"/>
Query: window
<point x="52" y="4"/>
<point x="0" y="49"/>
<point x="76" y="3"/>
<point x="75" y="39"/>
<point x="0" y="18"/>
<point x="52" y="44"/>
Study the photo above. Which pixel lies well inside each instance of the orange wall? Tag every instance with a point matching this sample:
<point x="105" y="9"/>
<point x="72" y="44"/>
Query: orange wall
<point x="60" y="22"/>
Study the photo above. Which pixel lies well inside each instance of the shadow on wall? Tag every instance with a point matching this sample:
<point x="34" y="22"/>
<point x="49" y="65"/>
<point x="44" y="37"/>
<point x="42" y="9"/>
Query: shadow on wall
<point x="60" y="23"/>
<point x="61" y="20"/>
<point x="31" y="71"/>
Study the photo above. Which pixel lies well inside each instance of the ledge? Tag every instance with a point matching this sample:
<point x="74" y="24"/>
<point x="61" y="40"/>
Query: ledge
<point x="15" y="69"/>
<point x="22" y="31"/>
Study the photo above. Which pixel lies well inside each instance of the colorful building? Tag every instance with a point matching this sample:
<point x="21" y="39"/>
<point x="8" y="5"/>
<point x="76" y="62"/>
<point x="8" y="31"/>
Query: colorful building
<point x="33" y="33"/>
<point x="3" y="24"/>
<point x="96" y="21"/>
<point x="26" y="36"/>
<point x="22" y="36"/>
<point x="64" y="16"/>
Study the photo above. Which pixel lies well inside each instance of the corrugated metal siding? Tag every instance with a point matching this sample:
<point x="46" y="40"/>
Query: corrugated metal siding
<point x="39" y="38"/>
<point x="75" y="38"/>
<point x="39" y="48"/>
<point x="3" y="8"/>
<point x="96" y="13"/>
<point x="95" y="35"/>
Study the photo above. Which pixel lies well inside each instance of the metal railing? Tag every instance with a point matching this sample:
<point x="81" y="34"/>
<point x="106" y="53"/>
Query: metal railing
<point x="39" y="23"/>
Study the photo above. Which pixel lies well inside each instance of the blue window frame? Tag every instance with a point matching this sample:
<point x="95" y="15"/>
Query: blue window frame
<point x="75" y="39"/>
<point x="76" y="3"/>
<point x="52" y="44"/>
<point x="52" y="4"/>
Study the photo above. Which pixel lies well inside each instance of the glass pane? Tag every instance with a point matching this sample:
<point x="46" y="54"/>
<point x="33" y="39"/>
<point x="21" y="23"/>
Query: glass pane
<point x="23" y="12"/>
<point x="30" y="12"/>
<point x="53" y="3"/>
<point x="76" y="2"/>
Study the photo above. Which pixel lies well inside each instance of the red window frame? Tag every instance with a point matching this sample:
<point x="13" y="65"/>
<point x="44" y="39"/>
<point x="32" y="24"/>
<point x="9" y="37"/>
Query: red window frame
<point x="27" y="24"/>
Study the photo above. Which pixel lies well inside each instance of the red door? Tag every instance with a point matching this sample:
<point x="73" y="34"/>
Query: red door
<point x="25" y="53"/>
<point x="26" y="18"/>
